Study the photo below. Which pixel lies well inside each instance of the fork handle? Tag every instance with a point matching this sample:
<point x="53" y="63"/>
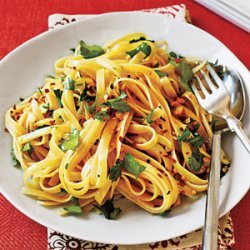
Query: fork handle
<point x="210" y="230"/>
<point x="235" y="126"/>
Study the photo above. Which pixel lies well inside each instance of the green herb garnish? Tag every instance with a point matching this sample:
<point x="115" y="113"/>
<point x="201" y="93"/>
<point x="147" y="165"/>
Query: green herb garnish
<point x="69" y="84"/>
<point x="185" y="135"/>
<point x="160" y="73"/>
<point x="148" y="117"/>
<point x="91" y="109"/>
<point x="195" y="162"/>
<point x="85" y="97"/>
<point x="90" y="51"/>
<point x="58" y="94"/>
<point x="40" y="91"/>
<point x="144" y="47"/>
<point x="73" y="209"/>
<point x="197" y="141"/>
<point x="185" y="70"/>
<point x="109" y="211"/>
<point x="132" y="166"/>
<point x="71" y="142"/>
<point x="46" y="106"/>
<point x="175" y="55"/>
<point x="50" y="76"/>
<point x="116" y="171"/>
<point x="28" y="147"/>
<point x="101" y="116"/>
<point x="15" y="162"/>
<point x="118" y="104"/>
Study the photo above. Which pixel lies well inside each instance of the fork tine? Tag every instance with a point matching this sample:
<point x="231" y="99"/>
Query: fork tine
<point x="196" y="92"/>
<point x="200" y="83"/>
<point x="216" y="78"/>
<point x="208" y="81"/>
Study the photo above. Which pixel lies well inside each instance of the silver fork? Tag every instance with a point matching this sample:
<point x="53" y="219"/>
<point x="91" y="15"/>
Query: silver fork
<point x="217" y="102"/>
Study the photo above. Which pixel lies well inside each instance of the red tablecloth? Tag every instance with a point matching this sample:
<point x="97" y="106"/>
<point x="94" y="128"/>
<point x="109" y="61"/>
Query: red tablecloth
<point x="23" y="19"/>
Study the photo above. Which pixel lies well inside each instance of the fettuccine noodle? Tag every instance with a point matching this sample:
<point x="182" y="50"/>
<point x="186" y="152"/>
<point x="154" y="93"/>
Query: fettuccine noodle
<point x="125" y="109"/>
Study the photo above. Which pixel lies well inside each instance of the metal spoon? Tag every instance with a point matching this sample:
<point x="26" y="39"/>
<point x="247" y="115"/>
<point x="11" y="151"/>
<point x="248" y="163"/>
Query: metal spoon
<point x="235" y="87"/>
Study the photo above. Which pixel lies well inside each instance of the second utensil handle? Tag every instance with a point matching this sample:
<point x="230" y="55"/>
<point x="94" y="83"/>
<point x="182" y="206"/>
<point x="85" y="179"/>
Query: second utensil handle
<point x="210" y="230"/>
<point x="235" y="126"/>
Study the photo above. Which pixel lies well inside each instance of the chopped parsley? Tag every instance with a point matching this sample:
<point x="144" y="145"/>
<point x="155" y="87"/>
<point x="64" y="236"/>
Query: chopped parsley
<point x="195" y="162"/>
<point x="118" y="104"/>
<point x="28" y="148"/>
<point x="132" y="166"/>
<point x="58" y="94"/>
<point x="15" y="162"/>
<point x="129" y="164"/>
<point x="69" y="84"/>
<point x="160" y="73"/>
<point x="101" y="116"/>
<point x="46" y="106"/>
<point x="85" y="97"/>
<point x="116" y="170"/>
<point x="71" y="142"/>
<point x="108" y="210"/>
<point x="50" y="76"/>
<point x="185" y="135"/>
<point x="73" y="209"/>
<point x="90" y="51"/>
<point x="183" y="69"/>
<point x="148" y="117"/>
<point x="144" y="48"/>
<point x="91" y="109"/>
<point x="40" y="90"/>
<point x="175" y="55"/>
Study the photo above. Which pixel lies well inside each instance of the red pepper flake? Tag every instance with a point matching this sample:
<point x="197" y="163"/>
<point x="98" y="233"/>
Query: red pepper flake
<point x="52" y="122"/>
<point x="14" y="106"/>
<point x="46" y="91"/>
<point x="74" y="68"/>
<point x="21" y="99"/>
<point x="171" y="158"/>
<point x="177" y="102"/>
<point x="52" y="84"/>
<point x="30" y="100"/>
<point x="6" y="130"/>
<point x="120" y="138"/>
<point x="177" y="60"/>
<point x="46" y="115"/>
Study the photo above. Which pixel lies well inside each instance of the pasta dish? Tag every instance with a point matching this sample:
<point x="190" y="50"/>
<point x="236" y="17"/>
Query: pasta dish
<point x="115" y="121"/>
